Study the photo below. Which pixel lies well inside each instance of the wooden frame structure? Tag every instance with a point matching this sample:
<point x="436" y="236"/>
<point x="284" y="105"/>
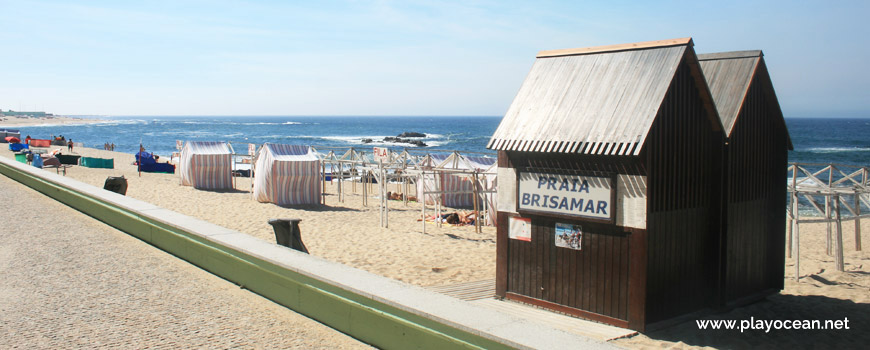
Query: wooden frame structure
<point x="834" y="186"/>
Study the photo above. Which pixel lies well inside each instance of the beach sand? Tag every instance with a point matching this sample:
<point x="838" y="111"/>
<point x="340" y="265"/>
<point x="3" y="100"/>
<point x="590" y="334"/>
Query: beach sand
<point x="16" y="121"/>
<point x="349" y="233"/>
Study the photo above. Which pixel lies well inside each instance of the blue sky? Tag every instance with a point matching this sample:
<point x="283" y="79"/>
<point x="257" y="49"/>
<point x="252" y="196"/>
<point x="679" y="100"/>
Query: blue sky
<point x="390" y="58"/>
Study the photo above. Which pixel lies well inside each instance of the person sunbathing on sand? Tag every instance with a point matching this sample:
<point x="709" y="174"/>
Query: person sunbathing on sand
<point x="397" y="196"/>
<point x="460" y="218"/>
<point x="467" y="218"/>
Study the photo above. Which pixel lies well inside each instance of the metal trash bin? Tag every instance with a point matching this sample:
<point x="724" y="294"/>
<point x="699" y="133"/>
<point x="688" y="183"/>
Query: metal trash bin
<point x="287" y="233"/>
<point x="116" y="184"/>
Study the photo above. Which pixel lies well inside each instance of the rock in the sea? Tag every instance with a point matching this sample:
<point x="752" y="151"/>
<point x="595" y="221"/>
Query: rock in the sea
<point x="412" y="134"/>
<point x="367" y="140"/>
<point x="417" y="143"/>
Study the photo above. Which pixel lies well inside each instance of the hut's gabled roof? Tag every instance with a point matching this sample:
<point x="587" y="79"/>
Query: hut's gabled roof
<point x="729" y="76"/>
<point x="600" y="100"/>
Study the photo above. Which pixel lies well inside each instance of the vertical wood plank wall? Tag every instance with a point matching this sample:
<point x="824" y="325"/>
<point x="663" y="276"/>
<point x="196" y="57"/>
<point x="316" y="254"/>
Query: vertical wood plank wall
<point x="756" y="196"/>
<point x="683" y="155"/>
<point x="594" y="279"/>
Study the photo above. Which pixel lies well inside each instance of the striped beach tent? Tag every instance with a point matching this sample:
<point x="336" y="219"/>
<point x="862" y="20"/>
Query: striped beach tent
<point x="206" y="165"/>
<point x="287" y="175"/>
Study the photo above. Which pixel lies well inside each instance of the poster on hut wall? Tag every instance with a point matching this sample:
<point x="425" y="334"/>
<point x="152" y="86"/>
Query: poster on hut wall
<point x="574" y="195"/>
<point x="569" y="236"/>
<point x="520" y="229"/>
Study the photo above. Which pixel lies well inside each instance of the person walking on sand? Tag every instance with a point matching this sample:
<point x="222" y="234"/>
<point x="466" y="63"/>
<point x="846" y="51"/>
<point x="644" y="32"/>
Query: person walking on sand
<point x="69" y="145"/>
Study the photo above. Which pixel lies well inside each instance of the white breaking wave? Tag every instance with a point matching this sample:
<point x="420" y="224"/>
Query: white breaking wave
<point x="838" y="149"/>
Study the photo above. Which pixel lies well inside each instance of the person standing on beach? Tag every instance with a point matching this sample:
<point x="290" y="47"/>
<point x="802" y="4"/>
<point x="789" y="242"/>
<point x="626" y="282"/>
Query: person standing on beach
<point x="69" y="145"/>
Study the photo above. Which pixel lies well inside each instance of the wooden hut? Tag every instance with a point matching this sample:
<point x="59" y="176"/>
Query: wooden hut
<point x="609" y="185"/>
<point x="756" y="161"/>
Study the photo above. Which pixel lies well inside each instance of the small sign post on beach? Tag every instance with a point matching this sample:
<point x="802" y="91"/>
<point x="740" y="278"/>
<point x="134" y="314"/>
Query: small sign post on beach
<point x="382" y="154"/>
<point x="179" y="144"/>
<point x="252" y="149"/>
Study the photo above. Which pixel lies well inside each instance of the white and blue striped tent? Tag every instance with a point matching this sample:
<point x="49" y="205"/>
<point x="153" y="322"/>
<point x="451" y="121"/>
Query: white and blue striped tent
<point x="206" y="165"/>
<point x="287" y="175"/>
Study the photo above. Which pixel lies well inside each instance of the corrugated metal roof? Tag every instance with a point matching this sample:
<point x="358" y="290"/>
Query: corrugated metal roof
<point x="590" y="102"/>
<point x="728" y="75"/>
<point x="208" y="147"/>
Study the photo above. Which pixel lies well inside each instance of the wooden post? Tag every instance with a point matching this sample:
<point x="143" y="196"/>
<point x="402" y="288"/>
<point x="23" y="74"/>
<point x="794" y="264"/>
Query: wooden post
<point x="381" y="193"/>
<point x="476" y="204"/>
<point x="797" y="239"/>
<point x="857" y="221"/>
<point x="790" y="225"/>
<point x="829" y="236"/>
<point x="839" y="233"/>
<point x="340" y="176"/>
<point x="794" y="203"/>
<point x="323" y="179"/>
<point x="365" y="179"/>
<point x="439" y="187"/>
<point x="858" y="209"/>
<point x="386" y="202"/>
<point x="828" y="214"/>
<point x="422" y="198"/>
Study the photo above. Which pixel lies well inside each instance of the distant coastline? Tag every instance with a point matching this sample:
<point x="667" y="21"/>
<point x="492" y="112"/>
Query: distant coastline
<point x="23" y="121"/>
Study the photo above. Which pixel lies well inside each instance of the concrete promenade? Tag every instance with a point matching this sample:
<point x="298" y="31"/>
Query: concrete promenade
<point x="70" y="281"/>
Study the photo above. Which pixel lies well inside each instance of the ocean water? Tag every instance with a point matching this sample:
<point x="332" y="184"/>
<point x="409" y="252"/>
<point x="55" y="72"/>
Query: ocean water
<point x="830" y="140"/>
<point x="159" y="134"/>
<point x="815" y="140"/>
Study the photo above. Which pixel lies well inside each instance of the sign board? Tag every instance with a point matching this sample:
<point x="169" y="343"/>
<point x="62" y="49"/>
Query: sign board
<point x="179" y="145"/>
<point x="252" y="149"/>
<point x="568" y="195"/>
<point x="382" y="154"/>
<point x="520" y="228"/>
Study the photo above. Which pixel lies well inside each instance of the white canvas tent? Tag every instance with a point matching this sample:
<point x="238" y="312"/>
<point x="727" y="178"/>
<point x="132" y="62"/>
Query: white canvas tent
<point x="206" y="165"/>
<point x="452" y="183"/>
<point x="287" y="175"/>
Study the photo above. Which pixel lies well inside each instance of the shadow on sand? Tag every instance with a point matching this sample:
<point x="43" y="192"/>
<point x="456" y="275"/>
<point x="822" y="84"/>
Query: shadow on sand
<point x="317" y="207"/>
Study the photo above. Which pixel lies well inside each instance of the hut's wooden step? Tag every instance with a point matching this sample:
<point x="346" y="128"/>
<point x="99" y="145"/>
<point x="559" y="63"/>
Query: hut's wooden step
<point x="568" y="324"/>
<point x="468" y="291"/>
<point x="482" y="293"/>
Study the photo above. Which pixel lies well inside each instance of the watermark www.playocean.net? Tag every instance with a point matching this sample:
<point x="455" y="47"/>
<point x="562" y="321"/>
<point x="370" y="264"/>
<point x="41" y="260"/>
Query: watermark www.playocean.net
<point x="768" y="325"/>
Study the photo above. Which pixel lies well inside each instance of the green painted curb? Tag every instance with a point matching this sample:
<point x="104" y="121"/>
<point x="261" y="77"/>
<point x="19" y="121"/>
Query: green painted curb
<point x="368" y="320"/>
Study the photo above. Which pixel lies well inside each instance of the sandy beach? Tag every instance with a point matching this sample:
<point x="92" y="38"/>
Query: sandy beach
<point x="349" y="233"/>
<point x="16" y="121"/>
